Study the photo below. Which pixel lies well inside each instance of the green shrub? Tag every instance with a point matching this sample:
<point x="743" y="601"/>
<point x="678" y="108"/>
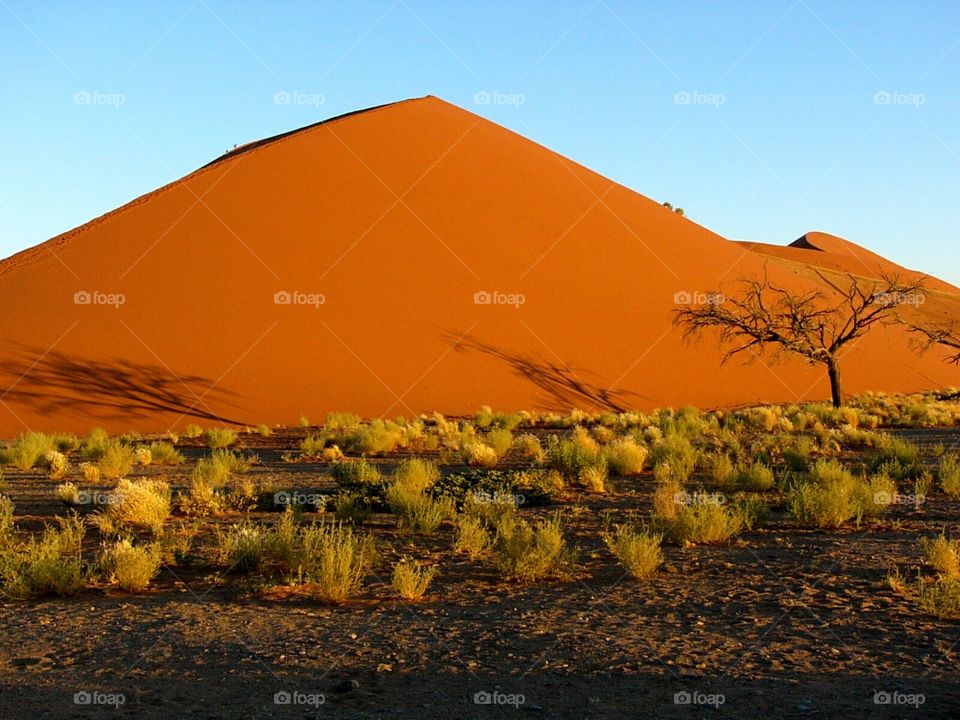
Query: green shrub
<point x="594" y="476"/>
<point x="943" y="554"/>
<point x="164" y="453"/>
<point x="941" y="599"/>
<point x="638" y="551"/>
<point x="135" y="504"/>
<point x="192" y="431"/>
<point x="352" y="507"/>
<point x="624" y="456"/>
<point x="50" y="565"/>
<point x="528" y="553"/>
<point x="242" y="547"/>
<point x="132" y="567"/>
<point x="219" y="438"/>
<point x="703" y="521"/>
<point x="472" y="537"/>
<point x="411" y="578"/>
<point x="898" y="458"/>
<point x="757" y="477"/>
<point x="28" y="449"/>
<point x="216" y="470"/>
<point x="722" y="470"/>
<point x="949" y="474"/>
<point x="416" y="474"/>
<point x="500" y="440"/>
<point x="355" y="473"/>
<point x="95" y="444"/>
<point x="676" y="456"/>
<point x="116" y="460"/>
<point x="334" y="560"/>
<point x="415" y="510"/>
<point x="830" y="496"/>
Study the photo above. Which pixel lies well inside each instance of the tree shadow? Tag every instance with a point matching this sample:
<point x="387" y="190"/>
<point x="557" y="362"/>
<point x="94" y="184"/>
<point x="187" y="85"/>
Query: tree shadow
<point x="114" y="389"/>
<point x="564" y="386"/>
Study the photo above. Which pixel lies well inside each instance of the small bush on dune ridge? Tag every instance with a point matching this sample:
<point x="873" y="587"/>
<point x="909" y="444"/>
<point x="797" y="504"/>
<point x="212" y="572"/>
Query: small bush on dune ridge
<point x="129" y="566"/>
<point x="135" y="504"/>
<point x="116" y="460"/>
<point x="49" y="565"/>
<point x="192" y="431"/>
<point x="411" y="578"/>
<point x="219" y="438"/>
<point x="528" y="553"/>
<point x="638" y="551"/>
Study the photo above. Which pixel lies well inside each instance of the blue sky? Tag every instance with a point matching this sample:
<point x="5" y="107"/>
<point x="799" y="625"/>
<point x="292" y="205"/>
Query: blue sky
<point x="762" y="119"/>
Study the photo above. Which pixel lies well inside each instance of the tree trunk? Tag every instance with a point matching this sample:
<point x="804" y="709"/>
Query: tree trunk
<point x="836" y="390"/>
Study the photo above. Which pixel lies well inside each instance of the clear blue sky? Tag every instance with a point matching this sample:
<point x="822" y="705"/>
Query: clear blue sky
<point x="782" y="131"/>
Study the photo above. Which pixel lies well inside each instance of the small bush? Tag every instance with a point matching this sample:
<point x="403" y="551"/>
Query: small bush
<point x="50" y="565"/>
<point x="830" y="496"/>
<point x="624" y="456"/>
<point x="192" y="431"/>
<point x="416" y="511"/>
<point x="116" y="460"/>
<point x="90" y="473"/>
<point x="943" y="554"/>
<point x="704" y="521"/>
<point x="529" y="447"/>
<point x="411" y="579"/>
<point x="639" y="552"/>
<point x="418" y="475"/>
<point x="95" y="444"/>
<point x="242" y="547"/>
<point x="722" y="470"/>
<point x="898" y="458"/>
<point x="355" y="473"/>
<point x="757" y="477"/>
<point x="132" y="567"/>
<point x="948" y="474"/>
<point x="676" y="457"/>
<point x="219" y="438"/>
<point x="135" y="504"/>
<point x="217" y="469"/>
<point x="594" y="476"/>
<point x="500" y="440"/>
<point x="352" y="507"/>
<point x="479" y="453"/>
<point x="164" y="453"/>
<point x="28" y="449"/>
<point x="335" y="560"/>
<point x="57" y="465"/>
<point x="472" y="537"/>
<point x="528" y="553"/>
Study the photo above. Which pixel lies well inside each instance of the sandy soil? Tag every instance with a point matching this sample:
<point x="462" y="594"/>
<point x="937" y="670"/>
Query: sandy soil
<point x="784" y="623"/>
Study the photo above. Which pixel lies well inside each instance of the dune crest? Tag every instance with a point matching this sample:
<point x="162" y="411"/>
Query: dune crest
<point x="404" y="259"/>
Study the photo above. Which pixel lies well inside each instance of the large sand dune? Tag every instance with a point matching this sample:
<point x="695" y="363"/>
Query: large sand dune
<point x="404" y="218"/>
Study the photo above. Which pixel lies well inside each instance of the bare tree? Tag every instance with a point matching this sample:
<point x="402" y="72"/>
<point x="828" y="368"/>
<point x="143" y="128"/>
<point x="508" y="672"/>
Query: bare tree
<point x="943" y="334"/>
<point x="809" y="324"/>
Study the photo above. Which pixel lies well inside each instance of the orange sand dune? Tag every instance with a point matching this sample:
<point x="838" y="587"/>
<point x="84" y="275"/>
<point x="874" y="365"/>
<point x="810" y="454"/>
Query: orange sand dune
<point x="402" y="220"/>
